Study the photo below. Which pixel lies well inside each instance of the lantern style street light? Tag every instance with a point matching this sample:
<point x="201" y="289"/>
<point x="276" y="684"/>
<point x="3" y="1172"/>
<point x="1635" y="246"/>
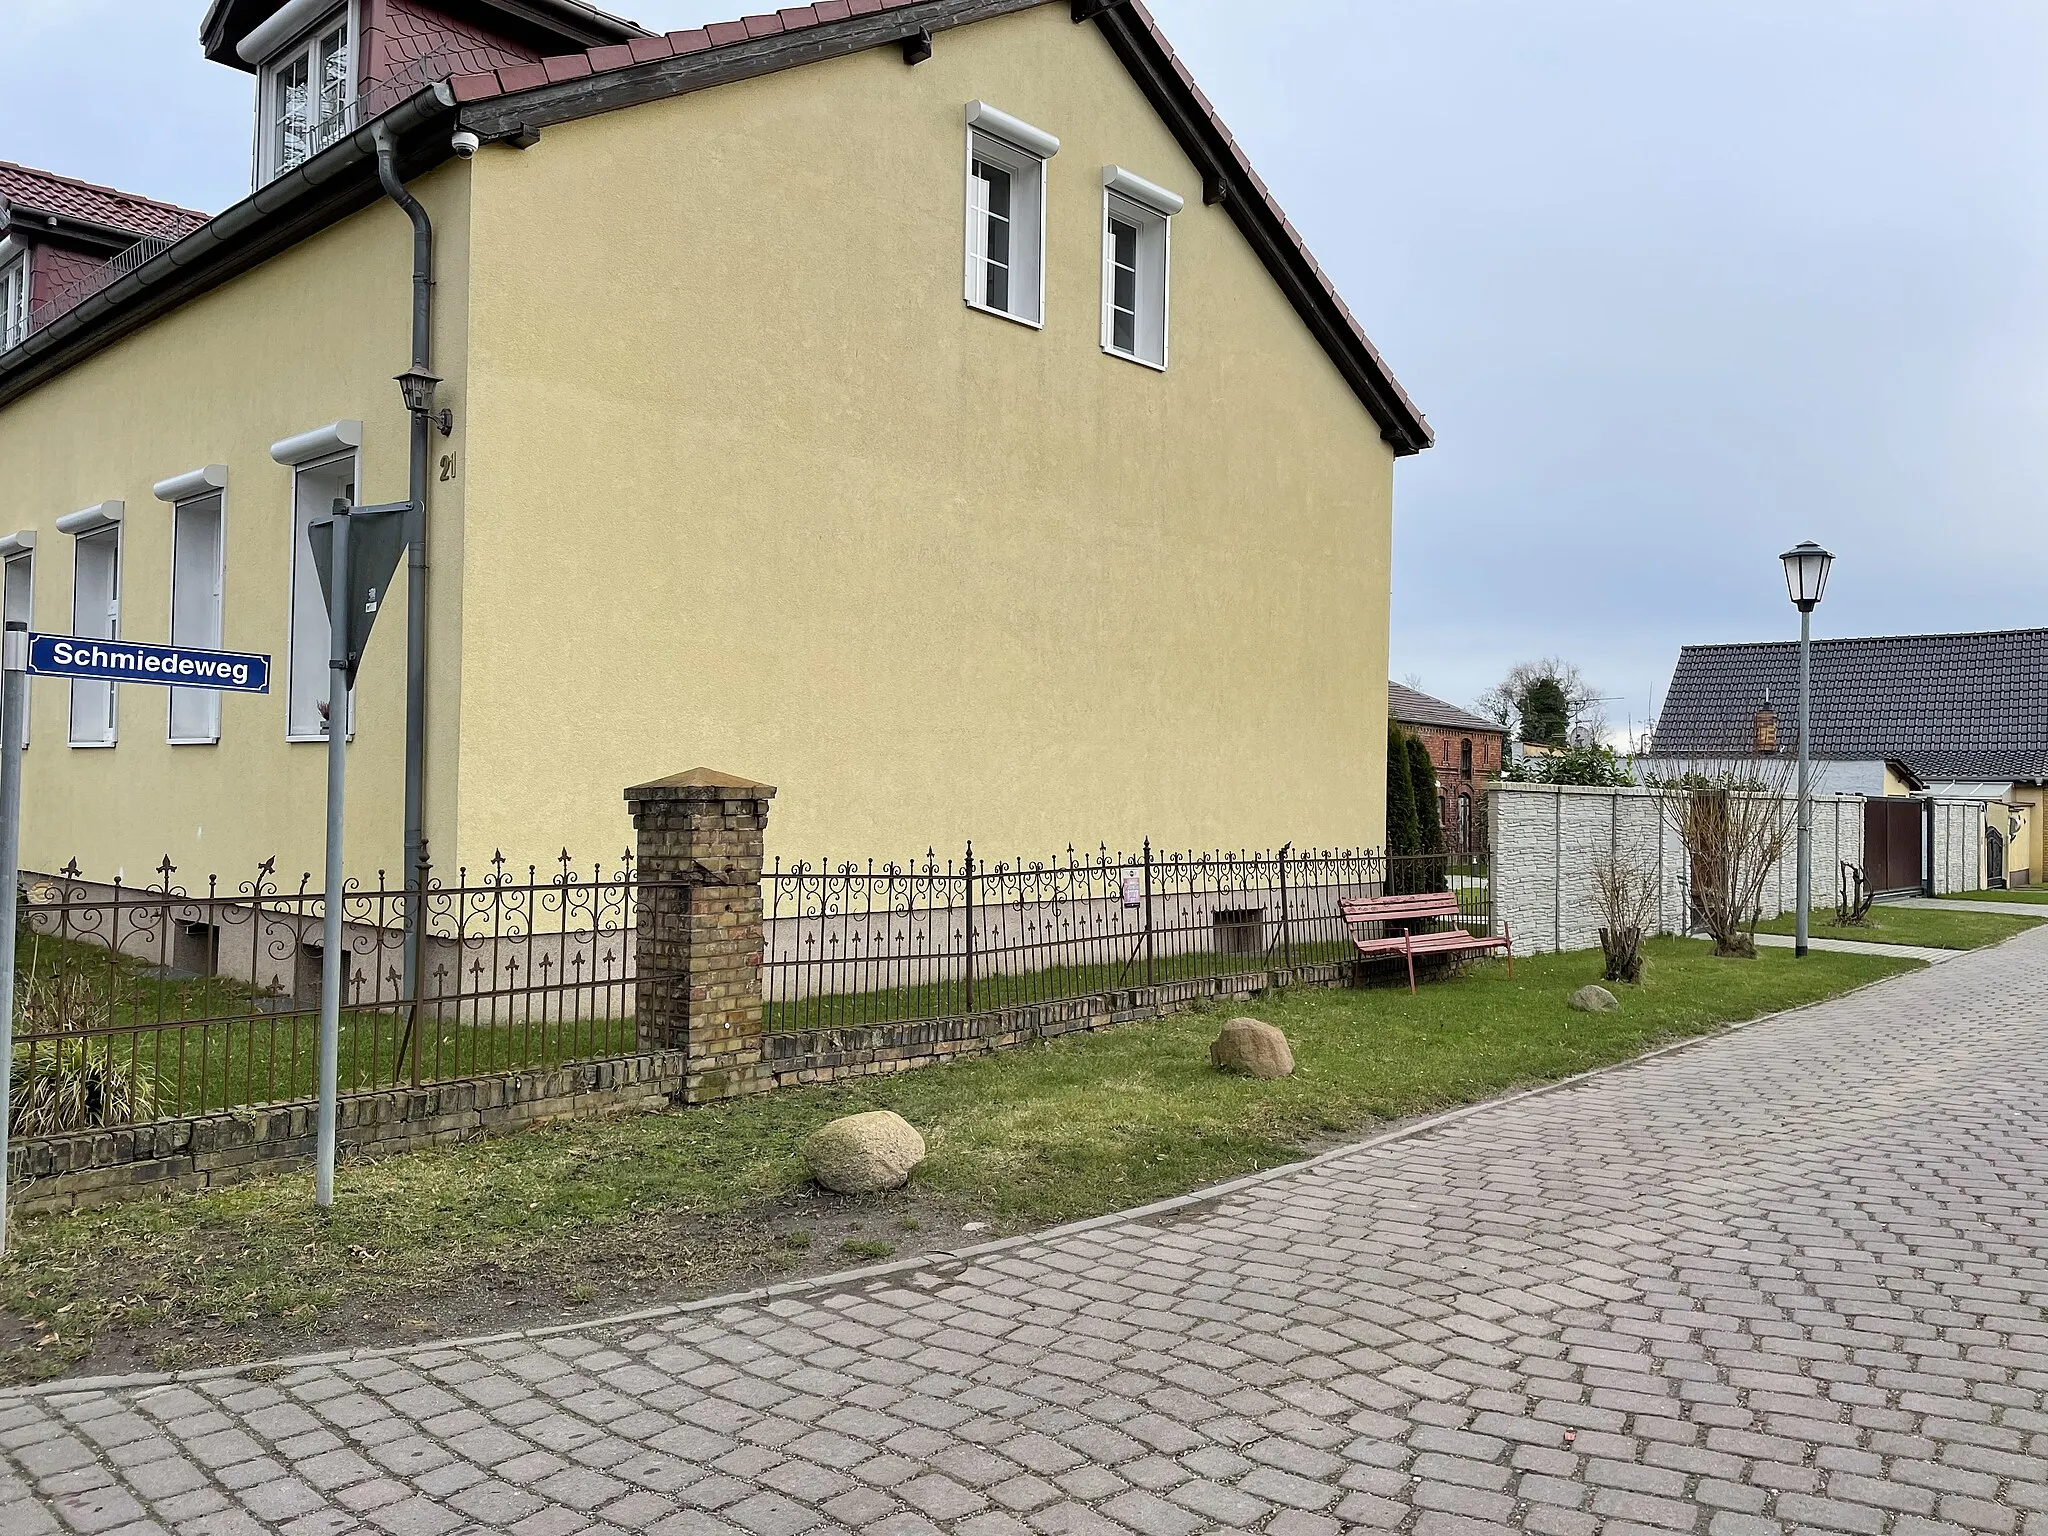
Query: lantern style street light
<point x="1806" y="580"/>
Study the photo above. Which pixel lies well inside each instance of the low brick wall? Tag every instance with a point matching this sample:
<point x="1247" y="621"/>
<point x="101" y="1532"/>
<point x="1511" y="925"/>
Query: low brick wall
<point x="86" y="1168"/>
<point x="873" y="1050"/>
<point x="55" y="1173"/>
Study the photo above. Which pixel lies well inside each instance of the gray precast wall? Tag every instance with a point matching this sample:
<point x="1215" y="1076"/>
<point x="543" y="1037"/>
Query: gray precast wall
<point x="1547" y="839"/>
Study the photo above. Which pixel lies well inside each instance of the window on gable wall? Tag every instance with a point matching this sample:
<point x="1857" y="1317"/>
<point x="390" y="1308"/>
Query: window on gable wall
<point x="14" y="302"/>
<point x="307" y="95"/>
<point x="196" y="610"/>
<point x="1006" y="214"/>
<point x="1137" y="245"/>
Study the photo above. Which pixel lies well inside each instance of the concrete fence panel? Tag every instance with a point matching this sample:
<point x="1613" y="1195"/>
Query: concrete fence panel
<point x="1548" y="839"/>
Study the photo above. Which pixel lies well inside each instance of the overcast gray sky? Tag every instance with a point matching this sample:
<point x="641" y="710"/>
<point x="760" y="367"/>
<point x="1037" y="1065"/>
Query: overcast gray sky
<point x="1678" y="285"/>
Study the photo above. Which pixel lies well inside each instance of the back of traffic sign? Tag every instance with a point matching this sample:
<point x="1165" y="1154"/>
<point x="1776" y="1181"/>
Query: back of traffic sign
<point x="376" y="544"/>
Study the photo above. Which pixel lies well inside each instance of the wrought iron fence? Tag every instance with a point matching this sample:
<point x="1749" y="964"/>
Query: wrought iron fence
<point x="850" y="944"/>
<point x="139" y="1004"/>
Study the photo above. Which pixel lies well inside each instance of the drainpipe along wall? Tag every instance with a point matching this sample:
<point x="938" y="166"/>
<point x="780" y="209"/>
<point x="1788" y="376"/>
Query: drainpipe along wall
<point x="416" y="552"/>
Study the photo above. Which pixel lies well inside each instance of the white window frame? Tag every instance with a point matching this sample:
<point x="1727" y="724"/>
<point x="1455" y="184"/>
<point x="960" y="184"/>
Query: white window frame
<point x="1024" y="152"/>
<point x="19" y="550"/>
<point x="1149" y="211"/>
<point x="93" y="525"/>
<point x="307" y="572"/>
<point x="215" y="499"/>
<point x="14" y="293"/>
<point x="303" y="47"/>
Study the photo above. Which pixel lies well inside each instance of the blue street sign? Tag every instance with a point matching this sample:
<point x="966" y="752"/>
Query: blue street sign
<point x="130" y="661"/>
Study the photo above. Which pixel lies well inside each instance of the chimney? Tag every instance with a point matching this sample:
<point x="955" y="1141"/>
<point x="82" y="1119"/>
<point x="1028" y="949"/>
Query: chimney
<point x="1767" y="728"/>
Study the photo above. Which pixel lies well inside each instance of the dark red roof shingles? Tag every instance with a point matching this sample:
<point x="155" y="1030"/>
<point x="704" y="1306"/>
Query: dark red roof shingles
<point x="67" y="197"/>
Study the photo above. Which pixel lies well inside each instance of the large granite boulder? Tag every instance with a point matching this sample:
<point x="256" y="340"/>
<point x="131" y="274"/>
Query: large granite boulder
<point x="864" y="1154"/>
<point x="1594" y="1000"/>
<point x="1254" y="1048"/>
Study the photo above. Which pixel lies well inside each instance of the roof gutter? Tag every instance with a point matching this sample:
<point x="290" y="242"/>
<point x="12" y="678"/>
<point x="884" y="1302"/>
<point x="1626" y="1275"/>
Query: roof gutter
<point x="337" y="181"/>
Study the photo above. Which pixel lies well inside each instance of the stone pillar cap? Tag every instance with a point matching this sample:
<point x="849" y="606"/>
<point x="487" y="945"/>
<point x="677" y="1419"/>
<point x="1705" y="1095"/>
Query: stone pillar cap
<point x="701" y="784"/>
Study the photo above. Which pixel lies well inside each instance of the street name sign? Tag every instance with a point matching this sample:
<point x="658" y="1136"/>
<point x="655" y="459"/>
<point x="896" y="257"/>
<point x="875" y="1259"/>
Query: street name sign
<point x="131" y="661"/>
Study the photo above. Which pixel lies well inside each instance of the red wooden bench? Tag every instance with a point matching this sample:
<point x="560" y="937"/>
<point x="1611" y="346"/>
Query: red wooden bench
<point x="1431" y="906"/>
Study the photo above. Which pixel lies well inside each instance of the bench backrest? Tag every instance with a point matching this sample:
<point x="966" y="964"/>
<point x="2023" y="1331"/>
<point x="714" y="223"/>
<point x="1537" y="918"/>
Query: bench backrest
<point x="1381" y="909"/>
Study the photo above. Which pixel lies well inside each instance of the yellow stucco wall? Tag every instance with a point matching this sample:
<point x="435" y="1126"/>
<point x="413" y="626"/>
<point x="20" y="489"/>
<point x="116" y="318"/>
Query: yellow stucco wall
<point x="312" y="336"/>
<point x="751" y="487"/>
<point x="2024" y="855"/>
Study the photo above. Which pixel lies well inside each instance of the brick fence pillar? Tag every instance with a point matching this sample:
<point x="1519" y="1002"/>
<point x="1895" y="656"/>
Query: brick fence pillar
<point x="698" y="935"/>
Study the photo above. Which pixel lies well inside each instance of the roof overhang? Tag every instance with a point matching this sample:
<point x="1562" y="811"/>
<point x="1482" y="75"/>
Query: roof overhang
<point x="1227" y="178"/>
<point x="548" y="26"/>
<point x="343" y="178"/>
<point x="338" y="181"/>
<point x="1913" y="781"/>
<point x="31" y="225"/>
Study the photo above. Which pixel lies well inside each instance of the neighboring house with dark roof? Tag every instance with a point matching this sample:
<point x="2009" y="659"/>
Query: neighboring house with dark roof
<point x="921" y="405"/>
<point x="1467" y="750"/>
<point x="62" y="239"/>
<point x="1954" y="716"/>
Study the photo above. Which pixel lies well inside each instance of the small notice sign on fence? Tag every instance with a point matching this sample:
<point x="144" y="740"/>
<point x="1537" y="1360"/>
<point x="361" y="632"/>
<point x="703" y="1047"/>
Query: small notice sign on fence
<point x="131" y="661"/>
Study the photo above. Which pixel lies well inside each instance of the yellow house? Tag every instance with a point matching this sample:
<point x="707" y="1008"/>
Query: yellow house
<point x="921" y="407"/>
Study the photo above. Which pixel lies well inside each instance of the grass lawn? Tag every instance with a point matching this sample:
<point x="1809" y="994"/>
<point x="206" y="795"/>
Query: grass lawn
<point x="2026" y="895"/>
<point x="200" y="1045"/>
<point x="629" y="1211"/>
<point x="1960" y="929"/>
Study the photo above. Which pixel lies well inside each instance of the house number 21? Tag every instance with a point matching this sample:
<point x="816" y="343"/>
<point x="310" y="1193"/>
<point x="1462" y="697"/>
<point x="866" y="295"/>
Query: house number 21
<point x="447" y="467"/>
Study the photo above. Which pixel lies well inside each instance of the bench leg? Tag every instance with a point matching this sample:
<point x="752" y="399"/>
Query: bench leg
<point x="1408" y="944"/>
<point x="1508" y="938"/>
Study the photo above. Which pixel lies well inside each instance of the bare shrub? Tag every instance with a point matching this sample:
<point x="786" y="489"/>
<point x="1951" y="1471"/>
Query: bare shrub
<point x="1735" y="828"/>
<point x="1626" y="894"/>
<point x="1853" y="898"/>
<point x="63" y="1076"/>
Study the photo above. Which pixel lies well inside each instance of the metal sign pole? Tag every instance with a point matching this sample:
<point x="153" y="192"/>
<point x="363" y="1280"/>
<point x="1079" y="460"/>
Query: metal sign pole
<point x="13" y="725"/>
<point x="331" y="968"/>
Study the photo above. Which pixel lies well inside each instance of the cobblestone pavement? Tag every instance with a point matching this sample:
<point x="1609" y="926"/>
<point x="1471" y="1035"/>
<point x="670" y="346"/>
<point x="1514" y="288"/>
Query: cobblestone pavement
<point x="1862" y="947"/>
<point x="2009" y="908"/>
<point x="1790" y="1279"/>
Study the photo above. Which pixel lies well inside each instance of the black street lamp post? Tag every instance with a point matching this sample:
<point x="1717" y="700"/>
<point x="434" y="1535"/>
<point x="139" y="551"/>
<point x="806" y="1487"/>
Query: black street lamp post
<point x="1806" y="579"/>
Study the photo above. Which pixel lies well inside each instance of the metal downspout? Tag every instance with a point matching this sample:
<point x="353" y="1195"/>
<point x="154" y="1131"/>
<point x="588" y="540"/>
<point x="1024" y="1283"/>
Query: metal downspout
<point x="416" y="558"/>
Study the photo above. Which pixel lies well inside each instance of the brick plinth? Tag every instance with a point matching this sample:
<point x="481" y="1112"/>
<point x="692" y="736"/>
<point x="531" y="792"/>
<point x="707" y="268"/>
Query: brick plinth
<point x="698" y="934"/>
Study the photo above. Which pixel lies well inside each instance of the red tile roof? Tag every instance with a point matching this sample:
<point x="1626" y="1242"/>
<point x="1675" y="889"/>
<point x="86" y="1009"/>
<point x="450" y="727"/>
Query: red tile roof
<point x="47" y="192"/>
<point x="505" y="82"/>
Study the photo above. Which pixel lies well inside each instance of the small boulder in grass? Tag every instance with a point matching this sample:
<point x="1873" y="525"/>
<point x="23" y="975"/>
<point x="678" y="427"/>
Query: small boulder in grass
<point x="1594" y="1000"/>
<point x="864" y="1154"/>
<point x="1253" y="1048"/>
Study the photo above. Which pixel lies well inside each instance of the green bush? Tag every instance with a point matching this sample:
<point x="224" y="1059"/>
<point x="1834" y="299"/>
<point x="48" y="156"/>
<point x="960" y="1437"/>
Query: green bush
<point x="63" y="1078"/>
<point x="1598" y="767"/>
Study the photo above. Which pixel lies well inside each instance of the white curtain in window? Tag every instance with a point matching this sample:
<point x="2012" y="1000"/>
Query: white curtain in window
<point x="196" y="609"/>
<point x="95" y="615"/>
<point x="316" y="488"/>
<point x="13" y="302"/>
<point x="18" y="604"/>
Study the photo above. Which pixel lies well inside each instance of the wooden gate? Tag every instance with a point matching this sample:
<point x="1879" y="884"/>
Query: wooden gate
<point x="1894" y="846"/>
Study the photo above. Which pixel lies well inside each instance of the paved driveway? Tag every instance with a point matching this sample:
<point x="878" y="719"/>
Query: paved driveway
<point x="1791" y="1278"/>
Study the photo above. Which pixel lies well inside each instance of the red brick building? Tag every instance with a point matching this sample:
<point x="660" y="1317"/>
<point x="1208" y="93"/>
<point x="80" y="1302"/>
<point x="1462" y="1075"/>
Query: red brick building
<point x="1467" y="751"/>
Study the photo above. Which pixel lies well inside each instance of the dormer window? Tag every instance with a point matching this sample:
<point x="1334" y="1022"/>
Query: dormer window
<point x="13" y="297"/>
<point x="306" y="98"/>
